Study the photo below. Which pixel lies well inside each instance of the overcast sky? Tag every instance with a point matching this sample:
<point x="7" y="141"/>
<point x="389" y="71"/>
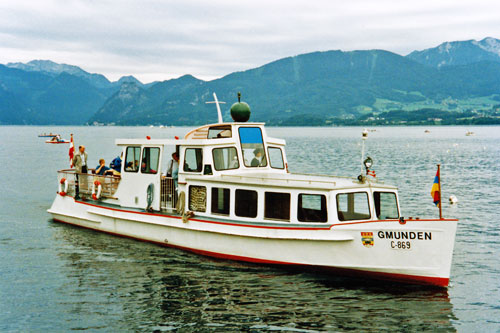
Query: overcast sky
<point x="163" y="39"/>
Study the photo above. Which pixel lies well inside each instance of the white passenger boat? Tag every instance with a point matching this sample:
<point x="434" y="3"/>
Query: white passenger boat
<point x="236" y="199"/>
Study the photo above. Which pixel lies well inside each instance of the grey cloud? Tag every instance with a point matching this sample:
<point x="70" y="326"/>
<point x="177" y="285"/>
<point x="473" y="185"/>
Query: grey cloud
<point x="212" y="39"/>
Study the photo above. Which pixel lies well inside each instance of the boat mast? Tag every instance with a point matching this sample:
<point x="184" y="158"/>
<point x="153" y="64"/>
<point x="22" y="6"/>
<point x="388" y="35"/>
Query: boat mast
<point x="439" y="186"/>
<point x="216" y="101"/>
<point x="364" y="136"/>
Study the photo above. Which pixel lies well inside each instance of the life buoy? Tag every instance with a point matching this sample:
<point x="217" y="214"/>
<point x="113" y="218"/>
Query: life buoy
<point x="149" y="196"/>
<point x="63" y="187"/>
<point x="97" y="195"/>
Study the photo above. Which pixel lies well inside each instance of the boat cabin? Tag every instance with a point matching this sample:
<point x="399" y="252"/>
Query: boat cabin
<point x="235" y="171"/>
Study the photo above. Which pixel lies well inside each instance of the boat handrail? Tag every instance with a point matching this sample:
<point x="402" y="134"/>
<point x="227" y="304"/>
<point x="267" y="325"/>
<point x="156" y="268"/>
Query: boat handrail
<point x="109" y="183"/>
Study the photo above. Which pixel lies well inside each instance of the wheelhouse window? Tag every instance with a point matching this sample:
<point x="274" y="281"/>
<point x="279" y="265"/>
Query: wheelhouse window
<point x="252" y="146"/>
<point x="193" y="160"/>
<point x="225" y="158"/>
<point x="277" y="206"/>
<point x="276" y="158"/>
<point x="245" y="203"/>
<point x="219" y="132"/>
<point x="150" y="160"/>
<point x="132" y="157"/>
<point x="353" y="206"/>
<point x="197" y="198"/>
<point x="220" y="200"/>
<point x="312" y="208"/>
<point x="386" y="205"/>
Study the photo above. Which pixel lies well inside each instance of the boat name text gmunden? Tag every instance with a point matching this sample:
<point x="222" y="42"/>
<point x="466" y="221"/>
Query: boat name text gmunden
<point x="420" y="235"/>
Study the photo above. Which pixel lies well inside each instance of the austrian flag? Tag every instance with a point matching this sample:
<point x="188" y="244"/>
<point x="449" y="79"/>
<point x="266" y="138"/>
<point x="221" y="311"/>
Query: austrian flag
<point x="71" y="152"/>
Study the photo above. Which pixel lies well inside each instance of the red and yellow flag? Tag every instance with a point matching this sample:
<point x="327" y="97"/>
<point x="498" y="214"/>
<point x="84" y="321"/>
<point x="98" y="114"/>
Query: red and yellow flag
<point x="435" y="190"/>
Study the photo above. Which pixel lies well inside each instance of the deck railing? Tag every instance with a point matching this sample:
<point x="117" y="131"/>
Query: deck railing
<point x="168" y="194"/>
<point x="109" y="184"/>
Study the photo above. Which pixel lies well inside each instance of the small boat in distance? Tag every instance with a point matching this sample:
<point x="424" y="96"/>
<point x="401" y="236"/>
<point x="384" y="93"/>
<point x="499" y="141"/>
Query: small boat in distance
<point x="45" y="135"/>
<point x="57" y="140"/>
<point x="233" y="197"/>
<point x="470" y="133"/>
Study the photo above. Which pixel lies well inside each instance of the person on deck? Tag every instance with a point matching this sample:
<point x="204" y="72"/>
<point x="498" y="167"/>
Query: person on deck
<point x="102" y="169"/>
<point x="80" y="163"/>
<point x="173" y="168"/>
<point x="116" y="164"/>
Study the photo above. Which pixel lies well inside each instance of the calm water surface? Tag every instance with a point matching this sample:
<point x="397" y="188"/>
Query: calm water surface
<point x="56" y="277"/>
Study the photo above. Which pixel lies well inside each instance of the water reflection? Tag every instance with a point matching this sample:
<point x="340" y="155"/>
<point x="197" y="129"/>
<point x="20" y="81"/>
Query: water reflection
<point x="119" y="284"/>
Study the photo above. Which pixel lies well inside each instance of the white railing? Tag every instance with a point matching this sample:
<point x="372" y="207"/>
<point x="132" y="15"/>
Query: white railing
<point x="85" y="181"/>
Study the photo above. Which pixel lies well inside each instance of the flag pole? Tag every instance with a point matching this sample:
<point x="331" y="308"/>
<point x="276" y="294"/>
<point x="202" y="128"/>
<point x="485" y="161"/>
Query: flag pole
<point x="439" y="185"/>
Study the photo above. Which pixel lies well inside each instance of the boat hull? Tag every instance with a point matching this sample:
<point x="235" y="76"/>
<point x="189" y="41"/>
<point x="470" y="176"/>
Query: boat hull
<point x="364" y="249"/>
<point x="56" y="142"/>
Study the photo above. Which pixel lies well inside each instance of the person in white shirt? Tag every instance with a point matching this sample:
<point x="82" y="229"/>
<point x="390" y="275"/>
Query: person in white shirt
<point x="173" y="169"/>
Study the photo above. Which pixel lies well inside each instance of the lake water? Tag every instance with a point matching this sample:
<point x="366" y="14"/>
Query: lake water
<point x="55" y="277"/>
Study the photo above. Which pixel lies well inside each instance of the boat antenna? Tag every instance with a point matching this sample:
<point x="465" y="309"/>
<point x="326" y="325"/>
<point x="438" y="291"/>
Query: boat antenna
<point x="216" y="101"/>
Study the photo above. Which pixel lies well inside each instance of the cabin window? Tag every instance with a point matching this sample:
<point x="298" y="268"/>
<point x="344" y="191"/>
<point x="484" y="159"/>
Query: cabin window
<point x="312" y="208"/>
<point x="353" y="206"/>
<point x="220" y="200"/>
<point x="386" y="205"/>
<point x="245" y="203"/>
<point x="252" y="146"/>
<point x="197" y="198"/>
<point x="150" y="160"/>
<point x="276" y="158"/>
<point x="193" y="160"/>
<point x="132" y="157"/>
<point x="225" y="158"/>
<point x="219" y="132"/>
<point x="277" y="206"/>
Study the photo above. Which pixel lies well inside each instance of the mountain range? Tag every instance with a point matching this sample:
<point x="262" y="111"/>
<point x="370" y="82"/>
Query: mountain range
<point x="318" y="87"/>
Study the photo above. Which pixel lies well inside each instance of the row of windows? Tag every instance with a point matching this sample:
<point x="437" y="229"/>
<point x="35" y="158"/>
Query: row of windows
<point x="252" y="146"/>
<point x="310" y="207"/>
<point x="227" y="159"/>
<point x="224" y="159"/>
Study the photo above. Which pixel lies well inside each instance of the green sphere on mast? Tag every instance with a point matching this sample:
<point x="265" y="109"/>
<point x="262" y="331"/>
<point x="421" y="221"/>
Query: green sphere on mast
<point x="240" y="111"/>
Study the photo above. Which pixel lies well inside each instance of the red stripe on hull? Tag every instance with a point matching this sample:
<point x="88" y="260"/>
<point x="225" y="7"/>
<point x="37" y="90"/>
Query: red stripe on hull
<point x="408" y="279"/>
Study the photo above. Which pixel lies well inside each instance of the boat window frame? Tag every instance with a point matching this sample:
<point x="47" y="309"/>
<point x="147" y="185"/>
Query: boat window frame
<point x="157" y="160"/>
<point x="190" y="195"/>
<point x="342" y="218"/>
<point x="236" y="155"/>
<point x="255" y="146"/>
<point x="377" y="214"/>
<point x="136" y="169"/>
<point x="271" y="160"/>
<point x="199" y="167"/>
<point x="221" y="129"/>
<point x="226" y="201"/>
<point x="323" y="211"/>
<point x="270" y="207"/>
<point x="237" y="201"/>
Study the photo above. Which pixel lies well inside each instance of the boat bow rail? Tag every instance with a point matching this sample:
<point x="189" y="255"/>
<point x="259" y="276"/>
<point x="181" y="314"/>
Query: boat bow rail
<point x="109" y="183"/>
